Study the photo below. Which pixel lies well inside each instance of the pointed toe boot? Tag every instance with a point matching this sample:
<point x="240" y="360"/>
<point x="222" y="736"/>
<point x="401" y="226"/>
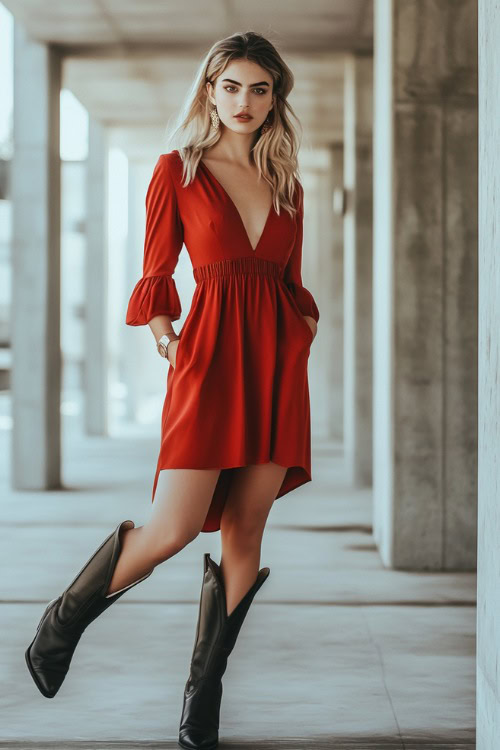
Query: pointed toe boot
<point x="216" y="635"/>
<point x="62" y="624"/>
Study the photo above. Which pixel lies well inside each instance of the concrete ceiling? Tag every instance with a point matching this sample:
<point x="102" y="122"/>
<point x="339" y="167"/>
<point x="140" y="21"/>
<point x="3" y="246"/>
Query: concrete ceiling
<point x="131" y="62"/>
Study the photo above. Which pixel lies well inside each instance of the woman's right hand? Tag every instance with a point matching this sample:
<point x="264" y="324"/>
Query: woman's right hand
<point x="172" y="352"/>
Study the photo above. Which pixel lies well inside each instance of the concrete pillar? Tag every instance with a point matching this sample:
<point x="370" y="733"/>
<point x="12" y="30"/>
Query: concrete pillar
<point x="35" y="315"/>
<point x="425" y="284"/>
<point x="488" y="559"/>
<point x="335" y="280"/>
<point x="358" y="92"/>
<point x="130" y="369"/>
<point x="138" y="343"/>
<point x="96" y="309"/>
<point x="316" y="272"/>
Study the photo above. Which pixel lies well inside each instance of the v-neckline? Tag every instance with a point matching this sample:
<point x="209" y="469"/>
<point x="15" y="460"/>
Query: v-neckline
<point x="233" y="204"/>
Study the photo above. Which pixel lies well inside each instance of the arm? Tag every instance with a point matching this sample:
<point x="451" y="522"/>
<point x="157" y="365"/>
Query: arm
<point x="155" y="300"/>
<point x="292" y="275"/>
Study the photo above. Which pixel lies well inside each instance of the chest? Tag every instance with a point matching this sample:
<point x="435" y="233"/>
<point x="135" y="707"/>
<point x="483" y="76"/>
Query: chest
<point x="248" y="197"/>
<point x="215" y="230"/>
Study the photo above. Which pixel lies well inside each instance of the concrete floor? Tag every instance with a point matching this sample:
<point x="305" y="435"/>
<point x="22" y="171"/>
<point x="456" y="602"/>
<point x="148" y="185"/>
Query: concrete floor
<point x="336" y="651"/>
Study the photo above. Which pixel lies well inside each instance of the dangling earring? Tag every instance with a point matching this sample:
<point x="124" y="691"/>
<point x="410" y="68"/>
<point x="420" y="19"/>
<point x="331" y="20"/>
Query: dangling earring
<point x="214" y="116"/>
<point x="266" y="125"/>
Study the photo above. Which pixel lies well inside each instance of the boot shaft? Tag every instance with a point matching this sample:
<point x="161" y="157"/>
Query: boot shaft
<point x="84" y="599"/>
<point x="216" y="631"/>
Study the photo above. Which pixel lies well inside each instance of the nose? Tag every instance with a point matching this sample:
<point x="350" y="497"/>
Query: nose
<point x="243" y="102"/>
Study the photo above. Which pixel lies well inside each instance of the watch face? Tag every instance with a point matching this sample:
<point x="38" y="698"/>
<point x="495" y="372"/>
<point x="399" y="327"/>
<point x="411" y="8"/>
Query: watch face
<point x="162" y="349"/>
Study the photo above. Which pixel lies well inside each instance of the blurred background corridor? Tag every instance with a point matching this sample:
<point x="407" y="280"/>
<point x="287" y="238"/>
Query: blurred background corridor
<point x="368" y="634"/>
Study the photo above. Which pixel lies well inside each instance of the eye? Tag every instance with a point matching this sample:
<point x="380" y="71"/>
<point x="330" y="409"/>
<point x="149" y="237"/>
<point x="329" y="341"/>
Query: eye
<point x="260" y="90"/>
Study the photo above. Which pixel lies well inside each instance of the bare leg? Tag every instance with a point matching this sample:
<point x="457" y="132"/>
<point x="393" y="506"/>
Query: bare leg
<point x="253" y="491"/>
<point x="181" y="503"/>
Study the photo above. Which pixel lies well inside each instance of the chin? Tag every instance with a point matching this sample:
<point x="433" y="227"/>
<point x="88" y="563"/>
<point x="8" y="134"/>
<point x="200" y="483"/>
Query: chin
<point x="250" y="129"/>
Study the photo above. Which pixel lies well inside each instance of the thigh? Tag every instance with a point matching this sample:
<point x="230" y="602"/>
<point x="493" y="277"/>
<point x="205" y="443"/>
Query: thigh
<point x="251" y="495"/>
<point x="181" y="502"/>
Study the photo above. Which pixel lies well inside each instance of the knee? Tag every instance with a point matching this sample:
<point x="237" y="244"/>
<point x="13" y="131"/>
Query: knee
<point x="244" y="531"/>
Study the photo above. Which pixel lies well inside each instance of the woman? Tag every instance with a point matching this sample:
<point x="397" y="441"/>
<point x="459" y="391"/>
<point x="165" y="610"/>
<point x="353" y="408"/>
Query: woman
<point x="236" y="421"/>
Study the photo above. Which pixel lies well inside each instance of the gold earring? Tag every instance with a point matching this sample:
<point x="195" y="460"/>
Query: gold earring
<point x="214" y="116"/>
<point x="266" y="125"/>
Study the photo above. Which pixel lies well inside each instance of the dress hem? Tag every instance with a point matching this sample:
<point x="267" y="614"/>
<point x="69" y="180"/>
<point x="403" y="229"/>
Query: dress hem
<point x="295" y="476"/>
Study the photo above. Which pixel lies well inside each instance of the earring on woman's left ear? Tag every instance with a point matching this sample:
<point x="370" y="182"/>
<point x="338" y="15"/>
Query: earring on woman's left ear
<point x="266" y="125"/>
<point x="214" y="116"/>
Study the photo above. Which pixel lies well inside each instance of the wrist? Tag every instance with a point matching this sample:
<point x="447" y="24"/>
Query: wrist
<point x="166" y="355"/>
<point x="164" y="341"/>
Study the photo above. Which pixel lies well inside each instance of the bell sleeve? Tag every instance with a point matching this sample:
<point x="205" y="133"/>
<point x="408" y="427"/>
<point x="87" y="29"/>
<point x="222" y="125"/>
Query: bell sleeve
<point x="292" y="275"/>
<point x="156" y="293"/>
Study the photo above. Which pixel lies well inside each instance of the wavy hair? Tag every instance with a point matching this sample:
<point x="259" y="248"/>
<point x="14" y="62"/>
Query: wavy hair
<point x="274" y="152"/>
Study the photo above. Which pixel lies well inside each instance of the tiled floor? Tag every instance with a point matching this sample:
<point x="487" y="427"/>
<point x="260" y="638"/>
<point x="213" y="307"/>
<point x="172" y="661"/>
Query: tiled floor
<point x="336" y="651"/>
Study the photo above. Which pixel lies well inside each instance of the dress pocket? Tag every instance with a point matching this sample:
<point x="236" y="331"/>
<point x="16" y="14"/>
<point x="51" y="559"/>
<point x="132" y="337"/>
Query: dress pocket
<point x="304" y="325"/>
<point x="179" y="354"/>
<point x="308" y="327"/>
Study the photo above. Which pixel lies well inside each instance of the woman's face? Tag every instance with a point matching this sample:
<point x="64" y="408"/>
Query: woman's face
<point x="243" y="87"/>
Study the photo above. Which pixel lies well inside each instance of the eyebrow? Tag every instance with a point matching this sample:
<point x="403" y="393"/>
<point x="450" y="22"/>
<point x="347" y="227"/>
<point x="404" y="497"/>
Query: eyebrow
<point x="260" y="83"/>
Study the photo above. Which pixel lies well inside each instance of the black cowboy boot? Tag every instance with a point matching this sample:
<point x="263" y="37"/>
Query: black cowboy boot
<point x="216" y="635"/>
<point x="49" y="654"/>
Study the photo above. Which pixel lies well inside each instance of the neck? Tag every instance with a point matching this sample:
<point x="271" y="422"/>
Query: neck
<point x="233" y="147"/>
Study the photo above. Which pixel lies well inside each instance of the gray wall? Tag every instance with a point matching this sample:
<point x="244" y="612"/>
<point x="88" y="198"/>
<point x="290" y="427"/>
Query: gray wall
<point x="488" y="590"/>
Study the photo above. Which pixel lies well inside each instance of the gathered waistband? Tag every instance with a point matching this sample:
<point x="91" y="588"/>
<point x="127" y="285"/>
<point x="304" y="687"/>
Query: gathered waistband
<point x="248" y="264"/>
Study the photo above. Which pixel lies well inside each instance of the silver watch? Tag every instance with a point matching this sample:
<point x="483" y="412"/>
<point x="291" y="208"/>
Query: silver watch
<point x="162" y="344"/>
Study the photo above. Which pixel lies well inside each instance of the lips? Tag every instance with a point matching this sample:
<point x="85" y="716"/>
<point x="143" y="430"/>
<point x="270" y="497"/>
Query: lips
<point x="244" y="117"/>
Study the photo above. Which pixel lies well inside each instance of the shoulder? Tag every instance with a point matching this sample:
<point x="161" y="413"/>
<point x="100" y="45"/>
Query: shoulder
<point x="164" y="179"/>
<point x="170" y="164"/>
<point x="171" y="159"/>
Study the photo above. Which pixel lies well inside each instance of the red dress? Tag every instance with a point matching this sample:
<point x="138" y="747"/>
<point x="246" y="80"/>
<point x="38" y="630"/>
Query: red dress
<point x="239" y="392"/>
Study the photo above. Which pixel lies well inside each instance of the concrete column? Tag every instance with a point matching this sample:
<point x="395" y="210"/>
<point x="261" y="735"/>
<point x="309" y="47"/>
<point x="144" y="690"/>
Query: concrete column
<point x="335" y="280"/>
<point x="130" y="369"/>
<point x="96" y="309"/>
<point x="425" y="284"/>
<point x="138" y="343"/>
<point x="358" y="92"/>
<point x="316" y="272"/>
<point x="35" y="315"/>
<point x="488" y="559"/>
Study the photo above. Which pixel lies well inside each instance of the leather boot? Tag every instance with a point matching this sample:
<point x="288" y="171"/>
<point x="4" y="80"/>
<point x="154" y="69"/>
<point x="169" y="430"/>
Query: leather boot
<point x="49" y="654"/>
<point x="216" y="635"/>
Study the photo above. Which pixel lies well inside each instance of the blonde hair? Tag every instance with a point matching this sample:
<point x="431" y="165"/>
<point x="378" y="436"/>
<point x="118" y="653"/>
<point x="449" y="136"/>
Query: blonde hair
<point x="275" y="151"/>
